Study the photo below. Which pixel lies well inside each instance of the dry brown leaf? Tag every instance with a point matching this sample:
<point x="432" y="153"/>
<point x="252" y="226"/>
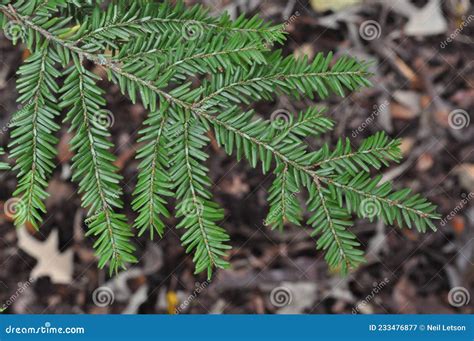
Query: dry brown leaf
<point x="407" y="145"/>
<point x="401" y="112"/>
<point x="214" y="143"/>
<point x="410" y="234"/>
<point x="465" y="173"/>
<point x="425" y="101"/>
<point x="459" y="225"/>
<point x="407" y="71"/>
<point x="408" y="98"/>
<point x="25" y="54"/>
<point x="125" y="156"/>
<point x="463" y="98"/>
<point x="235" y="187"/>
<point x="100" y="71"/>
<point x="59" y="191"/>
<point x="64" y="151"/>
<point x="442" y="118"/>
<point x="404" y="294"/>
<point x="425" y="162"/>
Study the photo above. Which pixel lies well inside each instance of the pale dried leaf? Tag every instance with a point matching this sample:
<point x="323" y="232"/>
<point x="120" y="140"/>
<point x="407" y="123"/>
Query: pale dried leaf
<point x="465" y="172"/>
<point x="332" y="5"/>
<point x="58" y="266"/>
<point x="427" y="21"/>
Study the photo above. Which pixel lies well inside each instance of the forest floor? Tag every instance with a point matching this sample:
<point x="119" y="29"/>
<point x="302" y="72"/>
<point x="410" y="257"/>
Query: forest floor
<point x="420" y="79"/>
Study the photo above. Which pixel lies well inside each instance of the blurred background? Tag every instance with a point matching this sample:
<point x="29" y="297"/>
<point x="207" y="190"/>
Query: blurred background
<point x="422" y="54"/>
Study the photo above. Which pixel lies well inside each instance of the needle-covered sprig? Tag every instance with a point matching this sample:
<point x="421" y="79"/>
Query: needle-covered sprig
<point x="196" y="75"/>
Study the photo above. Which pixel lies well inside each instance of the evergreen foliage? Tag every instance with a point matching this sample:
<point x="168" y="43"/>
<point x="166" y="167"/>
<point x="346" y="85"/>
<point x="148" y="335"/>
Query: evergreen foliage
<point x="194" y="73"/>
<point x="3" y="165"/>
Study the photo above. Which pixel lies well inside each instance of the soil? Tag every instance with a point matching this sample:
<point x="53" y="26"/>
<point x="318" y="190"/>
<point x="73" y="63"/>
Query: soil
<point x="417" y="84"/>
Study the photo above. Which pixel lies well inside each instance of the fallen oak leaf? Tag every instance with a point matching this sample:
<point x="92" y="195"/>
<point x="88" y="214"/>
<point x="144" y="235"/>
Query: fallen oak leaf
<point x="58" y="266"/>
